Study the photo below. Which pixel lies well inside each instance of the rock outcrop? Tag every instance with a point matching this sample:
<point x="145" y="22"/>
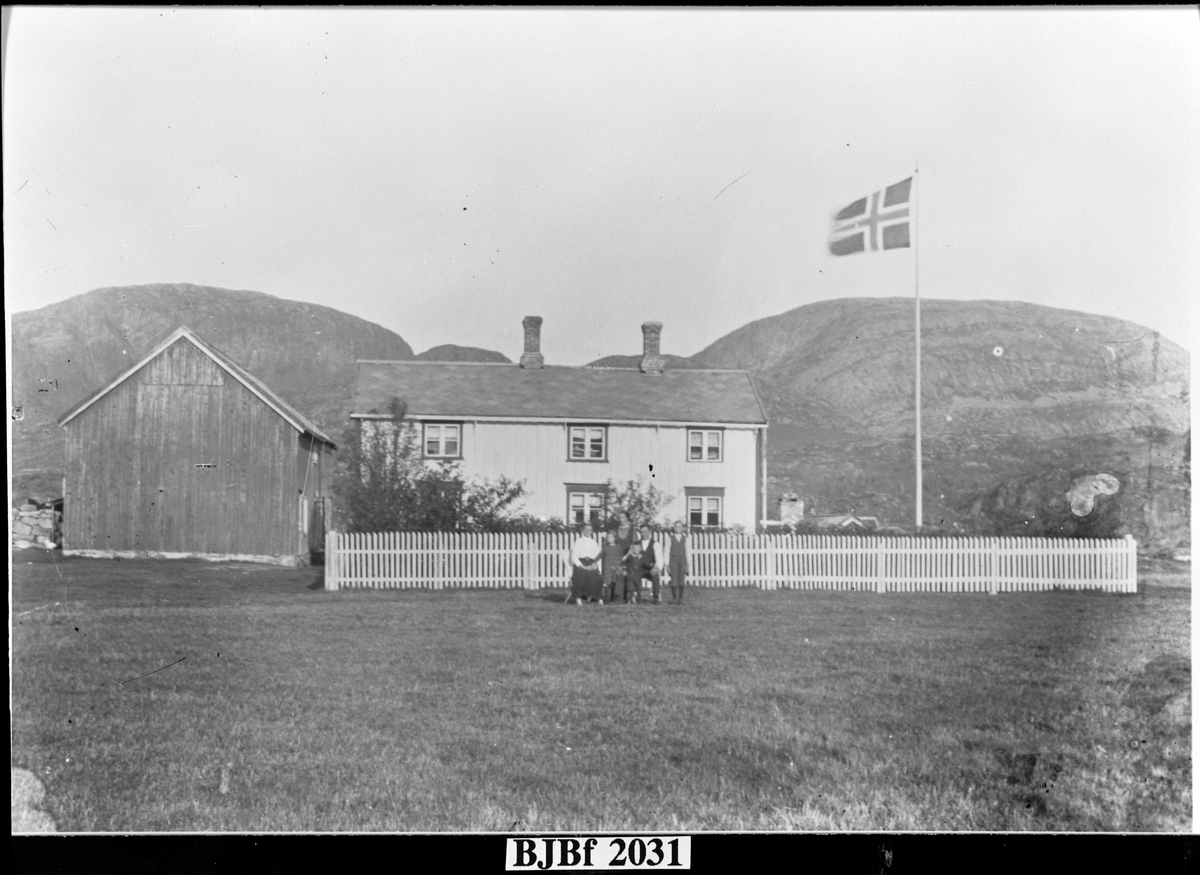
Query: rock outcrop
<point x="27" y="795"/>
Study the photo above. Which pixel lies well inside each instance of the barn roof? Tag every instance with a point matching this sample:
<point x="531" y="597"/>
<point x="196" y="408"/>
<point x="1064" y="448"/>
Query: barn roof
<point x="289" y="413"/>
<point x="509" y="391"/>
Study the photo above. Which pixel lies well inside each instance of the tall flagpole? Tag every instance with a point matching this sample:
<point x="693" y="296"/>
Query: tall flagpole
<point x="917" y="289"/>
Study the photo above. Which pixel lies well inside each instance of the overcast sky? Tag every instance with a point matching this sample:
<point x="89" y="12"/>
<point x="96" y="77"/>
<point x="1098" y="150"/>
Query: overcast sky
<point x="446" y="172"/>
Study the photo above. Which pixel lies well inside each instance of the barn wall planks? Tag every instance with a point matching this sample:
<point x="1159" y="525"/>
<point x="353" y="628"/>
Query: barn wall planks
<point x="181" y="457"/>
<point x="314" y="473"/>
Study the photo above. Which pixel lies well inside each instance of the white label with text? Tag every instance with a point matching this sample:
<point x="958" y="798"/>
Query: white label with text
<point x="596" y="852"/>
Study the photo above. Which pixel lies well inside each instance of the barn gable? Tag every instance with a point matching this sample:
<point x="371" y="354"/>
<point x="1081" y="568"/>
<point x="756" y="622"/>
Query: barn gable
<point x="187" y="454"/>
<point x="205" y="374"/>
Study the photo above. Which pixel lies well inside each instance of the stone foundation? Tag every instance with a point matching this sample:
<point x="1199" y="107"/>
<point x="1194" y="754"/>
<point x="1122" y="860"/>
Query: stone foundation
<point x="287" y="561"/>
<point x="37" y="523"/>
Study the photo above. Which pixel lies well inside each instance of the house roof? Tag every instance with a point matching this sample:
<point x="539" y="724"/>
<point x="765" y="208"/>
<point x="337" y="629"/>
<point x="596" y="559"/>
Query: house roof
<point x="504" y="391"/>
<point x="235" y="370"/>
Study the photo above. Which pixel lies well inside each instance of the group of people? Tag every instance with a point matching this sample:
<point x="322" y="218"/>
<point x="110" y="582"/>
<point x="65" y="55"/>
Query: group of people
<point x="613" y="572"/>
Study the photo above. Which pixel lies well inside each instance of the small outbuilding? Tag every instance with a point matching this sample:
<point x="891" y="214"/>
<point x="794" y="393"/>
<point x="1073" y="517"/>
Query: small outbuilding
<point x="845" y="523"/>
<point x="186" y="454"/>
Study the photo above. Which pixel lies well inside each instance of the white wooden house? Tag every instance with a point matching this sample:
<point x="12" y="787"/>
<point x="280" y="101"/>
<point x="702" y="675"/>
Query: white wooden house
<point x="697" y="435"/>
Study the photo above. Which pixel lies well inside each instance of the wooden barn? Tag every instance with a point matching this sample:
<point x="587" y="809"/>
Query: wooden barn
<point x="187" y="455"/>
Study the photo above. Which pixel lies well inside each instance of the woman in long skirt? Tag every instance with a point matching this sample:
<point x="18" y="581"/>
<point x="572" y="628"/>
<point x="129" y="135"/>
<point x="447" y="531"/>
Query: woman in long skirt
<point x="586" y="582"/>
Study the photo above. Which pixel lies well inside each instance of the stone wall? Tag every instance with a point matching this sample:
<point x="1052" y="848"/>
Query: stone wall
<point x="37" y="524"/>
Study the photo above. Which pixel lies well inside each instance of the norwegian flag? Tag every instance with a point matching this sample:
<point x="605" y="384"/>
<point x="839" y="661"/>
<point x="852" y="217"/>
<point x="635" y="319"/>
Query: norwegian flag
<point x="878" y="221"/>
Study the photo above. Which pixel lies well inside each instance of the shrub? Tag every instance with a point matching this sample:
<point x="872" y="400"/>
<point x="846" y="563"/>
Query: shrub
<point x="640" y="501"/>
<point x="384" y="485"/>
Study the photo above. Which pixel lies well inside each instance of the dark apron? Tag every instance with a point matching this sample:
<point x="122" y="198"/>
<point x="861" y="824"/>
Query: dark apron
<point x="586" y="583"/>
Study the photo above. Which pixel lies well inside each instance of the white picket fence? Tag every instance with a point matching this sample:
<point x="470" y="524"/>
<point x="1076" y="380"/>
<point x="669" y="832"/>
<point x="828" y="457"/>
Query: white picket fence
<point x="442" y="560"/>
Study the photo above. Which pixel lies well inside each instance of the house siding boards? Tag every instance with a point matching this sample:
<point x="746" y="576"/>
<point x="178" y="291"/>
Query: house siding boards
<point x="138" y="456"/>
<point x="517" y="422"/>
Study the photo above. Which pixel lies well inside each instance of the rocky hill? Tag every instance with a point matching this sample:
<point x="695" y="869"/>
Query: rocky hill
<point x="63" y="352"/>
<point x="452" y="352"/>
<point x="1018" y="400"/>
<point x="632" y="361"/>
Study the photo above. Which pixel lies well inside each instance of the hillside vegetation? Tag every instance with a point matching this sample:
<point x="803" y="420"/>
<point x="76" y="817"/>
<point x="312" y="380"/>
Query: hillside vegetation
<point x="1018" y="400"/>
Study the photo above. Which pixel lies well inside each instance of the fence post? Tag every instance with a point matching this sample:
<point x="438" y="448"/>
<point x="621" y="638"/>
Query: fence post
<point x="772" y="570"/>
<point x="879" y="587"/>
<point x="528" y="570"/>
<point x="331" y="562"/>
<point x="994" y="571"/>
<point x="1131" y="546"/>
<point x="439" y="561"/>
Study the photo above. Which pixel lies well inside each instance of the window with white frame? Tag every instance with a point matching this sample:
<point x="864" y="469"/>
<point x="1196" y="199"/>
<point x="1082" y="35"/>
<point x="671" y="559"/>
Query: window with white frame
<point x="443" y="440"/>
<point x="705" y="506"/>
<point x="704" y="445"/>
<point x="586" y="503"/>
<point x="588" y="443"/>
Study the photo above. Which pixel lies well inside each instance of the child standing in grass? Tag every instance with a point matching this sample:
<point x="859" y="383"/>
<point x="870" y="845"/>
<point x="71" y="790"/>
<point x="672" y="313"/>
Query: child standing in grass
<point x="677" y="562"/>
<point x="614" y="575"/>
<point x="633" y="573"/>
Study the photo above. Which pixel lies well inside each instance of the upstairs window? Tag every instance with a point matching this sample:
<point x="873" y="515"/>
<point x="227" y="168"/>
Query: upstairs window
<point x="588" y="444"/>
<point x="704" y="445"/>
<point x="442" y="441"/>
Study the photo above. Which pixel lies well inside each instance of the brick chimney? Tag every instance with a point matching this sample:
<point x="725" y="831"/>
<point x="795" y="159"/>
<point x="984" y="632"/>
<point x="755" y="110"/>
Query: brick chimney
<point x="532" y="356"/>
<point x="652" y="362"/>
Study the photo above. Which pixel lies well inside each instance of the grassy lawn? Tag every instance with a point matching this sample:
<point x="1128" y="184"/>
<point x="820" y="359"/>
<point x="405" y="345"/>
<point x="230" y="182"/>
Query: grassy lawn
<point x="506" y="710"/>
